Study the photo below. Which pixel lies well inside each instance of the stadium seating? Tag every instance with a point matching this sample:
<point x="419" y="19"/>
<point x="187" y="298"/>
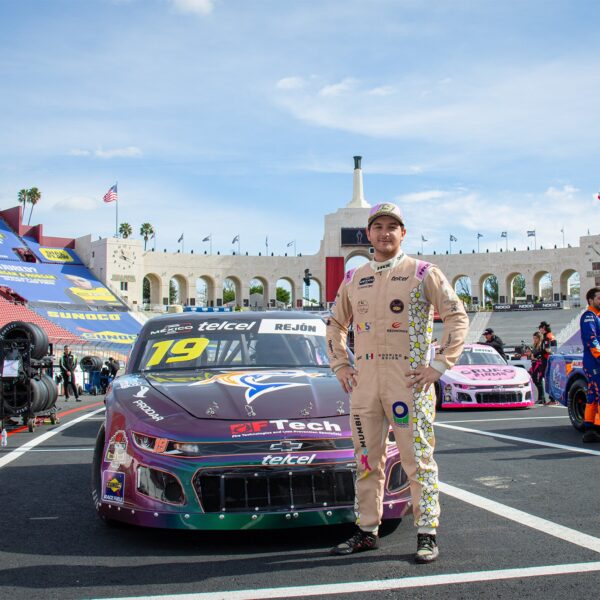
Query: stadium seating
<point x="10" y="311"/>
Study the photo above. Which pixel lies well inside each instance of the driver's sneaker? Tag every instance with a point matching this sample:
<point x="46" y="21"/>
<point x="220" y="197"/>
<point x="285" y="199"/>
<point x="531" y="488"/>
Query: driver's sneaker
<point x="591" y="436"/>
<point x="359" y="542"/>
<point x="427" y="548"/>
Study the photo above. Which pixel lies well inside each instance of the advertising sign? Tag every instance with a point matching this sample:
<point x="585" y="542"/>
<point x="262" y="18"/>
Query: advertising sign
<point x="8" y="241"/>
<point x="354" y="236"/>
<point x="63" y="256"/>
<point x="115" y="327"/>
<point x="527" y="306"/>
<point x="64" y="284"/>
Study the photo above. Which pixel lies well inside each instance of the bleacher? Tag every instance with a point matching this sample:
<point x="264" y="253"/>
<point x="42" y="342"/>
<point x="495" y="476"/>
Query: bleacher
<point x="43" y="281"/>
<point x="11" y="311"/>
<point x="512" y="327"/>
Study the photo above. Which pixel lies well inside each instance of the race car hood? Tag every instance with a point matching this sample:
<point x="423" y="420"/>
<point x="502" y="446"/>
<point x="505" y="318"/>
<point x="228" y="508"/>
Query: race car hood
<point x="263" y="393"/>
<point x="485" y="374"/>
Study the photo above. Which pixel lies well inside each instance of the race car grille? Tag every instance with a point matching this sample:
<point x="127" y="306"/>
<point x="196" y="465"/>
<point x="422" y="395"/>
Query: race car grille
<point x="273" y="490"/>
<point x="498" y="397"/>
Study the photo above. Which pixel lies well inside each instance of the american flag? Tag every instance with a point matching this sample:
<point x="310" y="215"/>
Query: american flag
<point x="111" y="195"/>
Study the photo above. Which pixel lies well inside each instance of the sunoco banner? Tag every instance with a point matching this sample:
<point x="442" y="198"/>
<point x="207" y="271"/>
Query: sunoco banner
<point x="114" y="327"/>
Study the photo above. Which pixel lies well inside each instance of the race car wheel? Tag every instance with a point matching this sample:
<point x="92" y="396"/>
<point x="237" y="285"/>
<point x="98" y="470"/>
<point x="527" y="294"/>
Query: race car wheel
<point x="576" y="400"/>
<point x="438" y="396"/>
<point x="97" y="476"/>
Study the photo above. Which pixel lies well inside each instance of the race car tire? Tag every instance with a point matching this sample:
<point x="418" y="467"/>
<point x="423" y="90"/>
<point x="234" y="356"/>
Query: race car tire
<point x="438" y="396"/>
<point x="97" y="477"/>
<point x="576" y="400"/>
<point x="52" y="390"/>
<point x="388" y="526"/>
<point x="38" y="339"/>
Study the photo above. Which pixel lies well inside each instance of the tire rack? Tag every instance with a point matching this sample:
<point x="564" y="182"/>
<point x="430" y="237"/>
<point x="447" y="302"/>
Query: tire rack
<point x="28" y="416"/>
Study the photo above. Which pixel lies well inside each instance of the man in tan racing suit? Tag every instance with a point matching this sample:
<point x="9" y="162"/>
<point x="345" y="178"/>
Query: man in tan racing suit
<point x="389" y="303"/>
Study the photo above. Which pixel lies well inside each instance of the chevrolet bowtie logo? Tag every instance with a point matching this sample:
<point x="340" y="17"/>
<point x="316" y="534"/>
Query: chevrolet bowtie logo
<point x="286" y="446"/>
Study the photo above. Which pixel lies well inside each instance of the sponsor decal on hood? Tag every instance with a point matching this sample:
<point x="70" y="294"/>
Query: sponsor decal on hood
<point x="486" y="372"/>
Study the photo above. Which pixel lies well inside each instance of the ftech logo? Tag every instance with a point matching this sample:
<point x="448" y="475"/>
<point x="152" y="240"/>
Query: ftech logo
<point x="258" y="384"/>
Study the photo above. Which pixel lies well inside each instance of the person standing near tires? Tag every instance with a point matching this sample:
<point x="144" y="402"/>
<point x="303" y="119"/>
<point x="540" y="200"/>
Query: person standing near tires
<point x="67" y="364"/>
<point x="390" y="303"/>
<point x="590" y="337"/>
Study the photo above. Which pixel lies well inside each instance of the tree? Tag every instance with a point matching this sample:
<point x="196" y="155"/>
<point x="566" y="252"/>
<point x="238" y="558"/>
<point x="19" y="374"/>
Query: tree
<point x="228" y="291"/>
<point x="146" y="291"/>
<point x="518" y="286"/>
<point x="257" y="289"/>
<point x="23" y="198"/>
<point x="173" y="293"/>
<point x="33" y="196"/>
<point x="283" y="295"/>
<point x="490" y="289"/>
<point x="463" y="289"/>
<point x="146" y="231"/>
<point x="125" y="230"/>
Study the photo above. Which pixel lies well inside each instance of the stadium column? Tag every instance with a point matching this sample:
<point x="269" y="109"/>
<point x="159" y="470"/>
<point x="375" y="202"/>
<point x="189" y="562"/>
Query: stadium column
<point x="502" y="287"/>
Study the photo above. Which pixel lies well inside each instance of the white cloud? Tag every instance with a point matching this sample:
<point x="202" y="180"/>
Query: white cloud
<point x="197" y="7"/>
<point x="337" y="89"/>
<point x="384" y="90"/>
<point x="77" y="203"/>
<point x="127" y="152"/>
<point x="564" y="194"/>
<point x="290" y="83"/>
<point x="79" y="152"/>
<point x="417" y="197"/>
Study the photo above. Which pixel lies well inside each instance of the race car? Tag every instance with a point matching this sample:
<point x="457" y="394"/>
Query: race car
<point x="482" y="378"/>
<point x="232" y="421"/>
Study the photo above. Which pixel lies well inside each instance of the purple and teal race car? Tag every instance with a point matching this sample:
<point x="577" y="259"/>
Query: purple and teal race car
<point x="232" y="421"/>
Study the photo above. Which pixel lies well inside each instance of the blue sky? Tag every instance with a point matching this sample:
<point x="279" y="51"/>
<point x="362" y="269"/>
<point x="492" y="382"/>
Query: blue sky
<point x="238" y="116"/>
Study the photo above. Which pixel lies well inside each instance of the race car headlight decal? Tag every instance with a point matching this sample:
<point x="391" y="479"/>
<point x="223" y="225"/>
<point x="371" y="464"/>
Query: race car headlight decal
<point x="159" y="485"/>
<point x="187" y="448"/>
<point x="149" y="443"/>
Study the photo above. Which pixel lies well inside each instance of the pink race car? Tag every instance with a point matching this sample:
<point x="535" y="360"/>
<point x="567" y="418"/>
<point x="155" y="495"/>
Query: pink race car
<point x="482" y="378"/>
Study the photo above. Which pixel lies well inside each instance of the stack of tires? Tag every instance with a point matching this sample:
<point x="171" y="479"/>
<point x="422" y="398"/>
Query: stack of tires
<point x="32" y="391"/>
<point x="91" y="366"/>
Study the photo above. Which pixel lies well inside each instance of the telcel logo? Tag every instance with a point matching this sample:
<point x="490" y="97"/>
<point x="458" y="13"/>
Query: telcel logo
<point x="288" y="459"/>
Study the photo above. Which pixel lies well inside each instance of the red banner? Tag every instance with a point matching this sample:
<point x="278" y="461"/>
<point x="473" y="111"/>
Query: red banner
<point x="334" y="268"/>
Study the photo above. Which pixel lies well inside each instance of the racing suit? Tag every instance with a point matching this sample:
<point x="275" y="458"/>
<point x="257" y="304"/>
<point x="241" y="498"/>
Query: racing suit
<point x="390" y="307"/>
<point x="590" y="332"/>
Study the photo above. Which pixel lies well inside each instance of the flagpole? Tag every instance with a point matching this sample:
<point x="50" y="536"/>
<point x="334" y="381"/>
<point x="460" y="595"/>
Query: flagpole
<point x="477" y="243"/>
<point x="267" y="245"/>
<point x="211" y="244"/>
<point x="422" y="245"/>
<point x="117" y="211"/>
<point x="296" y="254"/>
<point x="507" y="241"/>
<point x="563" y="232"/>
<point x="239" y="251"/>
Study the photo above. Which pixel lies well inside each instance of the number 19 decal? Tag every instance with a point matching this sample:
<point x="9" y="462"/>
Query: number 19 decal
<point x="179" y="350"/>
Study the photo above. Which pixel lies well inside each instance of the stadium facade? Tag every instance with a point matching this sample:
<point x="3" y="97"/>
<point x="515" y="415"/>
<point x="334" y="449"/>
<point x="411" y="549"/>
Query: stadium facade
<point x="123" y="264"/>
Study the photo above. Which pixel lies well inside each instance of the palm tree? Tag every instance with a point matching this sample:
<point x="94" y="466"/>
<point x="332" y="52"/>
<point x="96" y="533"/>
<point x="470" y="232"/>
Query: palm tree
<point x="23" y="199"/>
<point x="33" y="195"/>
<point x="146" y="231"/>
<point x="125" y="230"/>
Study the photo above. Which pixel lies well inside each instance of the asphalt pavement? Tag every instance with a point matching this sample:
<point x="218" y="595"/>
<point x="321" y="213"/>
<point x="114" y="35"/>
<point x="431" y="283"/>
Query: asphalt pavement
<point x="520" y="519"/>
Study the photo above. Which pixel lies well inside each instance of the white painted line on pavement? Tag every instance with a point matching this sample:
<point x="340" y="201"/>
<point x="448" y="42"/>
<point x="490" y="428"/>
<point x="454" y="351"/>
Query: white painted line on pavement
<point x="380" y="585"/>
<point x="18" y="452"/>
<point x="43" y="518"/>
<point x="62" y="449"/>
<point x="526" y="419"/>
<point x="549" y="527"/>
<point x="520" y="439"/>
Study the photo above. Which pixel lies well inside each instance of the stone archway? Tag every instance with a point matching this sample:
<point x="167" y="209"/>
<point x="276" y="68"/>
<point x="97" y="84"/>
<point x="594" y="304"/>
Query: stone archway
<point x="516" y="290"/>
<point x="542" y="286"/>
<point x="232" y="291"/>
<point x="258" y="292"/>
<point x="178" y="290"/>
<point x="205" y="291"/>
<point x="151" y="290"/>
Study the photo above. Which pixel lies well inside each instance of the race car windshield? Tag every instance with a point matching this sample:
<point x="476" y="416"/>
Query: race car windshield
<point x="229" y="344"/>
<point x="480" y="356"/>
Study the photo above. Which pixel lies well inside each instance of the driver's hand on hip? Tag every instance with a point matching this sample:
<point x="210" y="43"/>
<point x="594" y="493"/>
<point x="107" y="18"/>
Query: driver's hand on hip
<point x="347" y="376"/>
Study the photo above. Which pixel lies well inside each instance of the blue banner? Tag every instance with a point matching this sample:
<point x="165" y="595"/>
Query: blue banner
<point x="45" y="254"/>
<point x="95" y="326"/>
<point x="8" y="241"/>
<point x="64" y="284"/>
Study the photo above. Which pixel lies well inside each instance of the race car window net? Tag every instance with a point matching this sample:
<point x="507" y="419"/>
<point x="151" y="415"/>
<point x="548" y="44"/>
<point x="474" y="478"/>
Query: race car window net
<point x="232" y="349"/>
<point x="468" y="357"/>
